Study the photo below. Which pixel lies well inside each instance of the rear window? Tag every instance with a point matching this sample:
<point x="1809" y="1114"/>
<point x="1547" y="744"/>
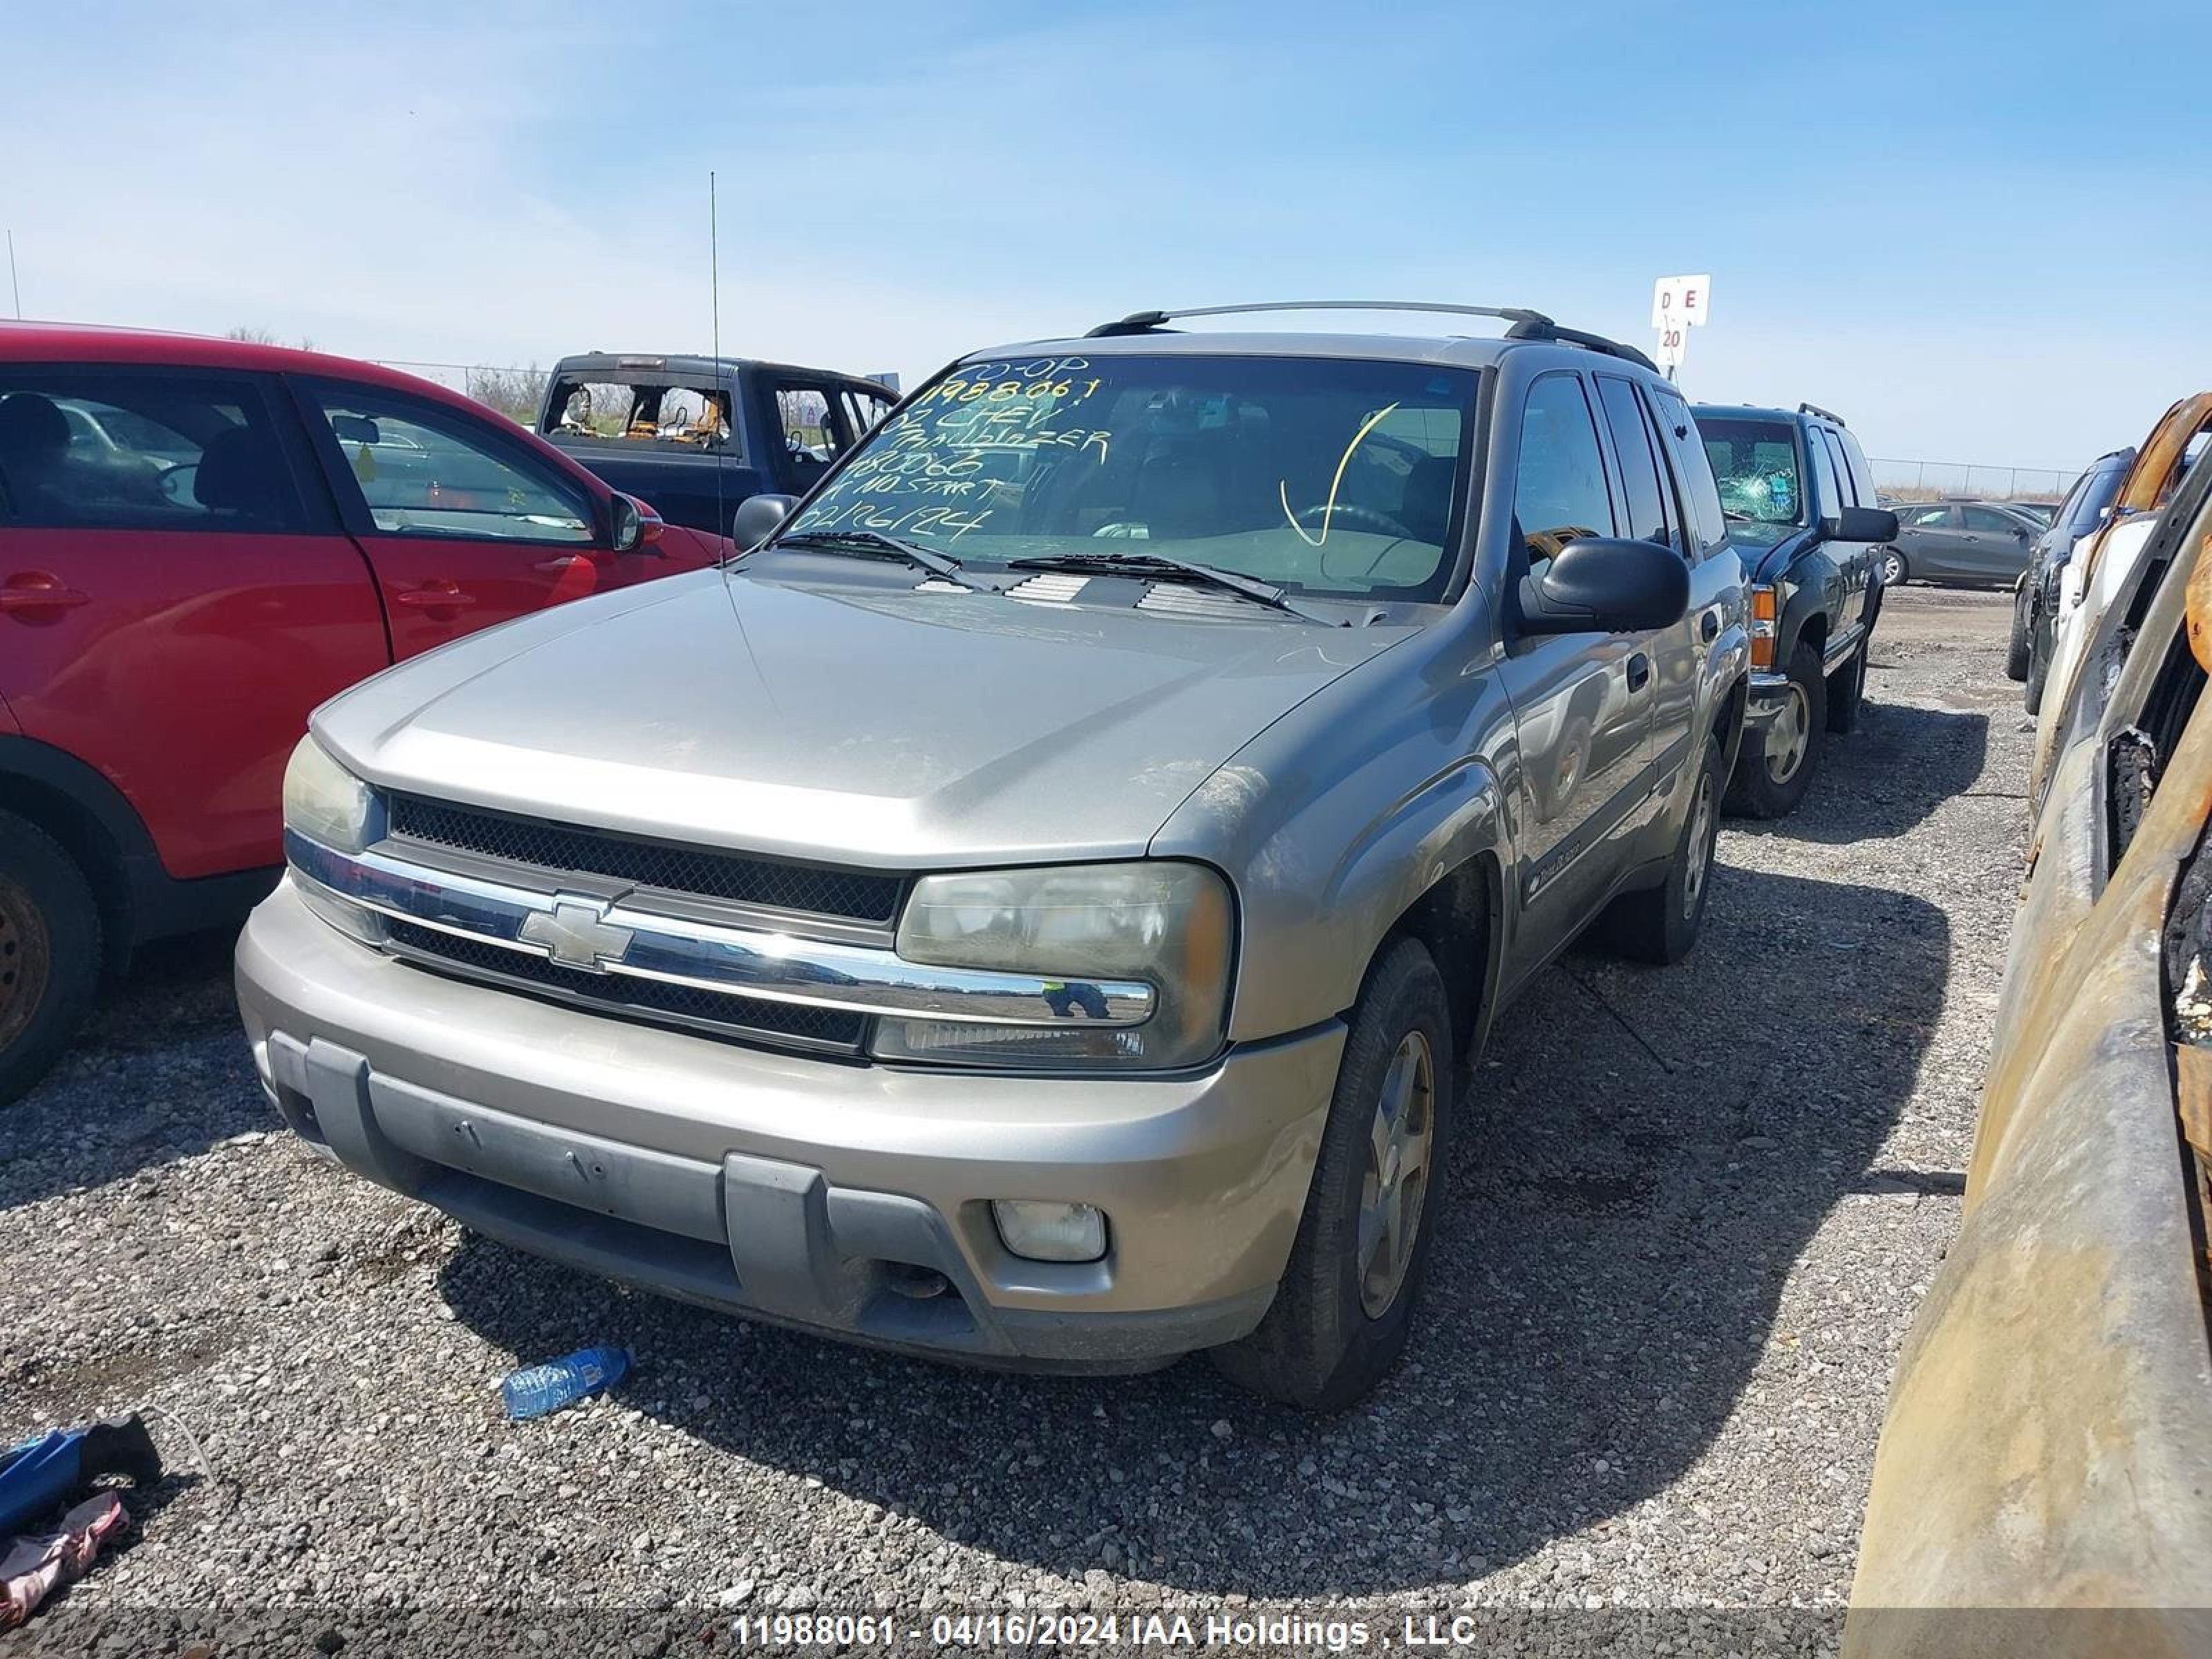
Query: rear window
<point x="665" y="412"/>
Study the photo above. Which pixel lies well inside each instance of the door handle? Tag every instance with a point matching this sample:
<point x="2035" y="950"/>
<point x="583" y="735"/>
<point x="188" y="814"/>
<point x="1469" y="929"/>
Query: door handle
<point x="1639" y="672"/>
<point x="1709" y="626"/>
<point x="435" y="598"/>
<point x="554" y="567"/>
<point x="37" y="591"/>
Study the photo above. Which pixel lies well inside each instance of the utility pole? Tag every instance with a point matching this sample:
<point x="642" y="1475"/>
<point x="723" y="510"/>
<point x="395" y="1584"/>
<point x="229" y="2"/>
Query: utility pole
<point x="12" y="283"/>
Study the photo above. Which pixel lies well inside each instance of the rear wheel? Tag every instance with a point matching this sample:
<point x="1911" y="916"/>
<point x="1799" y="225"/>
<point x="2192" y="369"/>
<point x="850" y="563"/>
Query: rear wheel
<point x="1342" y="1312"/>
<point x="2038" y="669"/>
<point x="49" y="952"/>
<point x="1661" y="925"/>
<point x="1847" y="693"/>
<point x="1772" y="775"/>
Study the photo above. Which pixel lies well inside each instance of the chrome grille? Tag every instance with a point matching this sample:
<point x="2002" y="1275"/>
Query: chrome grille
<point x="854" y="895"/>
<point x="789" y="1024"/>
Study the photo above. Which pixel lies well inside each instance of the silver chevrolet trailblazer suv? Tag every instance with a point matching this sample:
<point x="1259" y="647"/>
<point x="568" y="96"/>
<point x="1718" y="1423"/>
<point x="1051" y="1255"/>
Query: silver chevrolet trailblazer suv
<point x="1041" y="904"/>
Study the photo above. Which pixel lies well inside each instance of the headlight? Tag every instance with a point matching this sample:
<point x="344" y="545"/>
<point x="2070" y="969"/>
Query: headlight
<point x="325" y="804"/>
<point x="1168" y="924"/>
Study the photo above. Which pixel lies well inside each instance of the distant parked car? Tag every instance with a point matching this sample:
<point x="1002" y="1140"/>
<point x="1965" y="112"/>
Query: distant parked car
<point x="699" y="436"/>
<point x="200" y="540"/>
<point x="1959" y="544"/>
<point x="2035" y="604"/>
<point x="2041" y="512"/>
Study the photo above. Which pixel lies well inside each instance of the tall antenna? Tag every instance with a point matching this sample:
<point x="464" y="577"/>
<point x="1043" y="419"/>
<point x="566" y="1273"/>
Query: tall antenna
<point x="12" y="282"/>
<point x="714" y="304"/>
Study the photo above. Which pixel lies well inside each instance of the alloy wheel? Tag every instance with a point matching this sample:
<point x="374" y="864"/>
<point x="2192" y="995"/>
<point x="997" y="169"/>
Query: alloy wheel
<point x="1701" y="846"/>
<point x="1401" y="1145"/>
<point x="1788" y="736"/>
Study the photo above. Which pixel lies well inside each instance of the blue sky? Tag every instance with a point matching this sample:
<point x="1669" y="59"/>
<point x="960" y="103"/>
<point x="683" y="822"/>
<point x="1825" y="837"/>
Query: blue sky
<point x="1979" y="231"/>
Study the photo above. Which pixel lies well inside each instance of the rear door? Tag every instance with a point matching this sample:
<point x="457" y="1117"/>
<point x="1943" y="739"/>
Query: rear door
<point x="463" y="523"/>
<point x="175" y="593"/>
<point x="1581" y="703"/>
<point x="1996" y="545"/>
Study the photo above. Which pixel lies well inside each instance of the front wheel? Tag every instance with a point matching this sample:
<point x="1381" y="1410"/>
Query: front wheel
<point x="1772" y="777"/>
<point x="1342" y="1312"/>
<point x="1661" y="925"/>
<point x="1895" y="573"/>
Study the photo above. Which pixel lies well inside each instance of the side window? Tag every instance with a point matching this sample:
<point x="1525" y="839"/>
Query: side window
<point x="1827" y="496"/>
<point x="1927" y="518"/>
<point x="1987" y="518"/>
<point x="108" y="448"/>
<point x="1847" y="488"/>
<point x="419" y="470"/>
<point x="1559" y="491"/>
<point x="1701" y="496"/>
<point x="1646" y="516"/>
<point x="1854" y="461"/>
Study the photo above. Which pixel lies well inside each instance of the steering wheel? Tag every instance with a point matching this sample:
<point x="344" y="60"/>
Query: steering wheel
<point x="1352" y="517"/>
<point x="176" y="483"/>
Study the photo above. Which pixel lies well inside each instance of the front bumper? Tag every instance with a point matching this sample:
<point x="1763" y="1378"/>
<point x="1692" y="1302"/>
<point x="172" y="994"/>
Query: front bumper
<point x="796" y="1189"/>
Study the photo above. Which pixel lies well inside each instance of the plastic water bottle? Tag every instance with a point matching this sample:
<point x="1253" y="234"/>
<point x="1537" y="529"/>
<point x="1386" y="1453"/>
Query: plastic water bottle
<point x="536" y="1389"/>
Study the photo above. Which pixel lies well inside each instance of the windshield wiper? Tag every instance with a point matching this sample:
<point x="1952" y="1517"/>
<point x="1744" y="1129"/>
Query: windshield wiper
<point x="1161" y="564"/>
<point x="874" y="541"/>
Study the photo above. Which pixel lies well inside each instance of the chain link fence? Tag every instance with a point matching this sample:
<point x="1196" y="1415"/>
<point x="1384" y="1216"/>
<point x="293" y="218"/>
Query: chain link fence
<point x="1936" y="480"/>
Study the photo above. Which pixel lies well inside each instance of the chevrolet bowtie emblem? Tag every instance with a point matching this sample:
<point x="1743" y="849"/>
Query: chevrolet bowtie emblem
<point x="576" y="933"/>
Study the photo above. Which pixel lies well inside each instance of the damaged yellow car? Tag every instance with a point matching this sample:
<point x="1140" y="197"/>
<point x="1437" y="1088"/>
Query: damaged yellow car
<point x="2043" y="1483"/>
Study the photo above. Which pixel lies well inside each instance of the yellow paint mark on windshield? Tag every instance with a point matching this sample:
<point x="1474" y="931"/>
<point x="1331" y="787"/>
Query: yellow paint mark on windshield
<point x="1329" y="511"/>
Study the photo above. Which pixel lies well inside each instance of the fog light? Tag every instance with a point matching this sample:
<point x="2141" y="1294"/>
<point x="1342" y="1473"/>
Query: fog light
<point x="1043" y="1231"/>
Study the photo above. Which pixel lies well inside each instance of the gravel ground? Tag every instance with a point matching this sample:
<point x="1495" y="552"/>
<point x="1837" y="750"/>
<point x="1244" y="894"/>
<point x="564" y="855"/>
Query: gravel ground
<point x="1690" y="1224"/>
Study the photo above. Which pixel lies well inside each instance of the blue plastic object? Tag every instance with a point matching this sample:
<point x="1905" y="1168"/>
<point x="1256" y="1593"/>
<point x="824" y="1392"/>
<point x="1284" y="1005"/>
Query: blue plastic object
<point x="536" y="1389"/>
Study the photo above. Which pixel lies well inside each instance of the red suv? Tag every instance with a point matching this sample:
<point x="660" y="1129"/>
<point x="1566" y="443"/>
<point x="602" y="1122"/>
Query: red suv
<point x="200" y="540"/>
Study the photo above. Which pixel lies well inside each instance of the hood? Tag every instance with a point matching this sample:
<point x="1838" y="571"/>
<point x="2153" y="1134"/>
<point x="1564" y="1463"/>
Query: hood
<point x="1767" y="549"/>
<point x="868" y="724"/>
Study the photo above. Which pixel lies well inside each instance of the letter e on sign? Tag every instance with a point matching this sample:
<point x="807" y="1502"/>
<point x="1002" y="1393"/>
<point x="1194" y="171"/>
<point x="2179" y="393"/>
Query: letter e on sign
<point x="1681" y="301"/>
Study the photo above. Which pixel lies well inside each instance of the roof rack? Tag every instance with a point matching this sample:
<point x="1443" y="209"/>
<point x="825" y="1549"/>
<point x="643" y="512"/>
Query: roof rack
<point x="1527" y="325"/>
<point x="1825" y="414"/>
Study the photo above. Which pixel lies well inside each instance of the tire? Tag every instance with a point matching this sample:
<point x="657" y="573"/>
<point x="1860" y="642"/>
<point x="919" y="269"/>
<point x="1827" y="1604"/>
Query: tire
<point x="1661" y="926"/>
<point x="2016" y="651"/>
<point x="1333" y="1330"/>
<point x="1847" y="693"/>
<point x="49" y="952"/>
<point x="2038" y="670"/>
<point x="1895" y="572"/>
<point x="1772" y="776"/>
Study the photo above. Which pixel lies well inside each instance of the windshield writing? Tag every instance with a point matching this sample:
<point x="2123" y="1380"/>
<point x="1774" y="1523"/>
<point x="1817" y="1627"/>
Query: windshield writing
<point x="1316" y="475"/>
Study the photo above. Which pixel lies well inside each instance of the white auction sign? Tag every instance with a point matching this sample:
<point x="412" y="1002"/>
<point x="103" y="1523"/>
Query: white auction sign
<point x="1678" y="305"/>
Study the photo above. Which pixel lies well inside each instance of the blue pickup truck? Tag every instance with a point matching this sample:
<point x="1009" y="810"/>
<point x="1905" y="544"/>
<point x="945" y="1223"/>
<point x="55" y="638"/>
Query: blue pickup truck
<point x="695" y="436"/>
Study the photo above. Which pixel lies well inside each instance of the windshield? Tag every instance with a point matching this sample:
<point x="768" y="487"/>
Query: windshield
<point x="693" y="415"/>
<point x="1755" y="464"/>
<point x="1335" y="477"/>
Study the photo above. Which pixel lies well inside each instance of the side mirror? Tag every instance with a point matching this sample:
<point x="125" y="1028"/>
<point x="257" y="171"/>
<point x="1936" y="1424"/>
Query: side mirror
<point x="628" y="526"/>
<point x="1606" y="585"/>
<point x="757" y="517"/>
<point x="1860" y="523"/>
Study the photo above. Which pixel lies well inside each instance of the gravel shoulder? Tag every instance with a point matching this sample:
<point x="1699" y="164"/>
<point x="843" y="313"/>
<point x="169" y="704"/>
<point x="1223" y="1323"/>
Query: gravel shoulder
<point x="1690" y="1223"/>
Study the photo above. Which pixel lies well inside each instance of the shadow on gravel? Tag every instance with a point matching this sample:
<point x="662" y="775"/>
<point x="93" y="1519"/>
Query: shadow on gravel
<point x="1622" y="1213"/>
<point x="1881" y="780"/>
<point x="160" y="1071"/>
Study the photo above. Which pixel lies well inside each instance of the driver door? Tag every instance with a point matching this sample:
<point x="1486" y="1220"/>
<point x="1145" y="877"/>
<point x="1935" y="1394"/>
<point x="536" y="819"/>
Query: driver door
<point x="462" y="523"/>
<point x="1581" y="703"/>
